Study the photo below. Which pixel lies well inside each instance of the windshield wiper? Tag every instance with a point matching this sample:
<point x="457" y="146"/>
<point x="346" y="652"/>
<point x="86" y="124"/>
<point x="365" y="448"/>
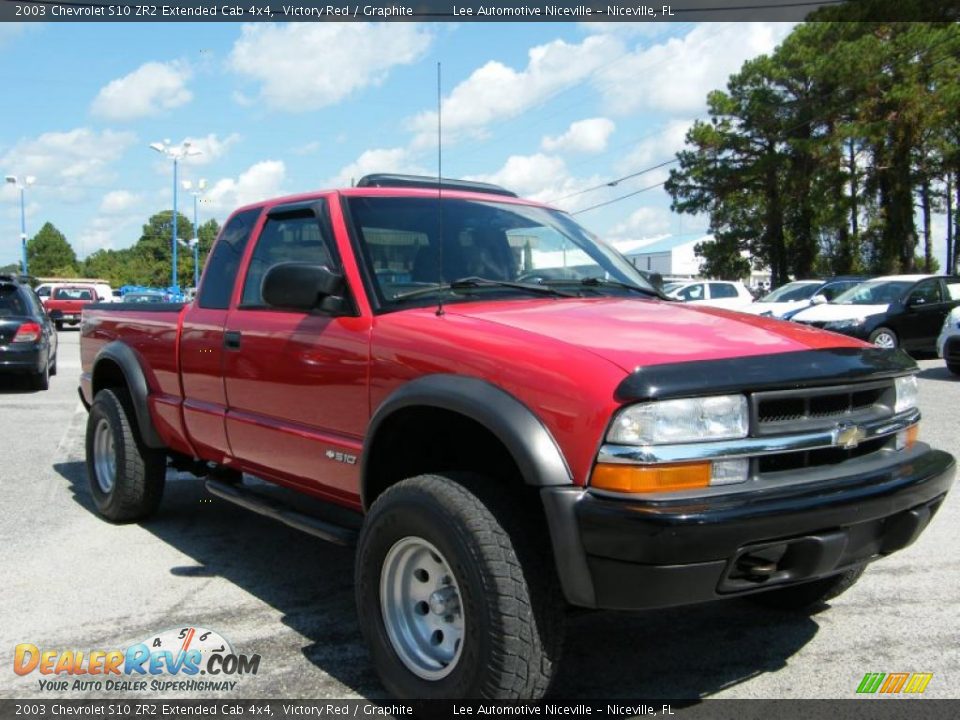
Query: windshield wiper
<point x="469" y="283"/>
<point x="603" y="282"/>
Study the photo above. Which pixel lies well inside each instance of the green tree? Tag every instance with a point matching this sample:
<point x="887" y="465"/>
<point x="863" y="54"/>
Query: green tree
<point x="49" y="254"/>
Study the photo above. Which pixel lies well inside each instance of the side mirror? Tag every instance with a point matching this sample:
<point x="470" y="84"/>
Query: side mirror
<point x="301" y="286"/>
<point x="819" y="299"/>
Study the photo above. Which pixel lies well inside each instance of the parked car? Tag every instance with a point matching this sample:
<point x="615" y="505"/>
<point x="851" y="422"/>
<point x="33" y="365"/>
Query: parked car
<point x="799" y="294"/>
<point x="496" y="448"/>
<point x="904" y="311"/>
<point x="28" y="341"/>
<point x="713" y="293"/>
<point x="146" y="297"/>
<point x="66" y="303"/>
<point x="948" y="342"/>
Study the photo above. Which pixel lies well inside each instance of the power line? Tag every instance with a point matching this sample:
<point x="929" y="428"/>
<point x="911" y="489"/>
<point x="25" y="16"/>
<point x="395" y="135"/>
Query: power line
<point x="615" y="181"/>
<point x="618" y="199"/>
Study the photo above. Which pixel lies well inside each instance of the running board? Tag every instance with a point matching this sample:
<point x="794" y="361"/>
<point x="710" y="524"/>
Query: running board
<point x="284" y="513"/>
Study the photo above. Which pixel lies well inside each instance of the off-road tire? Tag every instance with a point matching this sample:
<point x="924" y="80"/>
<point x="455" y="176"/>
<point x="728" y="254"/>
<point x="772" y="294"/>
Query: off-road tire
<point x="139" y="477"/>
<point x="509" y="593"/>
<point x="810" y="595"/>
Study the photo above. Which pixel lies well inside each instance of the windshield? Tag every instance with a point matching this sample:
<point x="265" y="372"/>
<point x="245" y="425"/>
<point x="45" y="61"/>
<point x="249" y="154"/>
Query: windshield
<point x="493" y="241"/>
<point x="791" y="292"/>
<point x="879" y="292"/>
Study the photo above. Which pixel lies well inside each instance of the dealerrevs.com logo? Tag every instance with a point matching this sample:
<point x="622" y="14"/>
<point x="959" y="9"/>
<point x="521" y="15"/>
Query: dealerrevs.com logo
<point x="894" y="683"/>
<point x="167" y="661"/>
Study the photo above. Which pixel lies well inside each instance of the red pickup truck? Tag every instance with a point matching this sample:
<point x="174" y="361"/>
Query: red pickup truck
<point x="507" y="420"/>
<point x="66" y="303"/>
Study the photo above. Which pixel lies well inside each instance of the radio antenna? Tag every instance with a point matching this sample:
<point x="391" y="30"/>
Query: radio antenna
<point x="439" y="189"/>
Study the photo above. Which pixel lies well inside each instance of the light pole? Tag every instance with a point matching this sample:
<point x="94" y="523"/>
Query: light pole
<point x="22" y="187"/>
<point x="175" y="153"/>
<point x="201" y="186"/>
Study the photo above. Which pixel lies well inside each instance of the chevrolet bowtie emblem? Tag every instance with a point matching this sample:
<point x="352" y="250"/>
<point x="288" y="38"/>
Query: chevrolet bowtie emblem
<point x="849" y="436"/>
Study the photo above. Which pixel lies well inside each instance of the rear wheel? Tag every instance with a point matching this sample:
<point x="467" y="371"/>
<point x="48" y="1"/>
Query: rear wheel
<point x="459" y="600"/>
<point x="126" y="477"/>
<point x="41" y="380"/>
<point x="954" y="368"/>
<point x="884" y="338"/>
<point x="58" y="324"/>
<point x="53" y="364"/>
<point x="810" y="595"/>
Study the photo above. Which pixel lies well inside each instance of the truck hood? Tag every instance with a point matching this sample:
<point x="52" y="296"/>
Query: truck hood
<point x="634" y="332"/>
<point x="829" y="312"/>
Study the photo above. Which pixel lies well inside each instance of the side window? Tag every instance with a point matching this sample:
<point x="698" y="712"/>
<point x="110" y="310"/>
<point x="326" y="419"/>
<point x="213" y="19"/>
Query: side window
<point x="286" y="238"/>
<point x="926" y="293"/>
<point x="722" y="290"/>
<point x="225" y="260"/>
<point x="831" y="291"/>
<point x="694" y="292"/>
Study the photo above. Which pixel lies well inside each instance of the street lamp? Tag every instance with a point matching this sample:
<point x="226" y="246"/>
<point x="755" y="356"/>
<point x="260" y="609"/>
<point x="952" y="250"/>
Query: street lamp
<point x="201" y="186"/>
<point x="22" y="187"/>
<point x="175" y="153"/>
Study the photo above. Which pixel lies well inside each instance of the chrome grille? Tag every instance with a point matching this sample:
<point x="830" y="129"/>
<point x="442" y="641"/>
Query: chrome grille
<point x="785" y="411"/>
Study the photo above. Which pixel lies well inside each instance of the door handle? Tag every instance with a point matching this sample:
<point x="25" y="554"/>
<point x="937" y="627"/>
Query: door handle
<point x="231" y="340"/>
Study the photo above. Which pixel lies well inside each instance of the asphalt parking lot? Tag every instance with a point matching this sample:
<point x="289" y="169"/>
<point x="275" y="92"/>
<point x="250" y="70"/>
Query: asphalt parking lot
<point x="69" y="580"/>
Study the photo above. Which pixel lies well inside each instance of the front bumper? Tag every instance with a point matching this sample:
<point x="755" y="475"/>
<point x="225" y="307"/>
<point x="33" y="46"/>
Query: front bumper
<point x="631" y="554"/>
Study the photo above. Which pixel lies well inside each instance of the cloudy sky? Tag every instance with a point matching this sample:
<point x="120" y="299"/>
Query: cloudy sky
<point x="547" y="110"/>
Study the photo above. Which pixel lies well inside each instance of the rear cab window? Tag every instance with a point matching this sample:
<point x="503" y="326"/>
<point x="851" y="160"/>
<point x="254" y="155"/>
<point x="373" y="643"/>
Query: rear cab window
<point x="84" y="294"/>
<point x="217" y="286"/>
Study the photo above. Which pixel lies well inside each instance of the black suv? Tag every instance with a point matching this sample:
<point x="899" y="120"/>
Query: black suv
<point x="905" y="311"/>
<point x="28" y="340"/>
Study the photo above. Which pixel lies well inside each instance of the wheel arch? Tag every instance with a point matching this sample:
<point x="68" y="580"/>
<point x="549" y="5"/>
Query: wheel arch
<point x="519" y="431"/>
<point x="117" y="365"/>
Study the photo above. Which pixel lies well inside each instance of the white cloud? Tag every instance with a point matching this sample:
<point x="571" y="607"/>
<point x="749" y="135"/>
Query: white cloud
<point x="211" y="148"/>
<point x="540" y="177"/>
<point x="644" y="222"/>
<point x="308" y="149"/>
<point x="149" y="90"/>
<point x="68" y="161"/>
<point x="258" y="182"/>
<point x="118" y="202"/>
<point x="378" y="160"/>
<point x="656" y="148"/>
<point x="676" y="75"/>
<point x="305" y="66"/>
<point x="496" y="91"/>
<point x="582" y="136"/>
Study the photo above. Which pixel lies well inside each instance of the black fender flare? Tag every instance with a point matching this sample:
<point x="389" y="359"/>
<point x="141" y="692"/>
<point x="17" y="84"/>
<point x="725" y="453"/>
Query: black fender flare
<point x="136" y="382"/>
<point x="531" y="445"/>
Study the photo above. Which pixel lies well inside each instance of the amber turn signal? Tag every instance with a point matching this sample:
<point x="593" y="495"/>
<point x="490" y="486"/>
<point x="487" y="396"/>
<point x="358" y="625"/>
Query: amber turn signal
<point x="906" y="439"/>
<point x="650" y="478"/>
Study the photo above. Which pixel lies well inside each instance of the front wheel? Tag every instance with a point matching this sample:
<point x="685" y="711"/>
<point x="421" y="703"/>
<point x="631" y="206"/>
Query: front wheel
<point x="126" y="477"/>
<point x="809" y="595"/>
<point x="454" y="600"/>
<point x="884" y="338"/>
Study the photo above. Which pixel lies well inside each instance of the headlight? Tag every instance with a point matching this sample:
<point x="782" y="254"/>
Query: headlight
<point x="720" y="417"/>
<point x="844" y="324"/>
<point x="907" y="393"/>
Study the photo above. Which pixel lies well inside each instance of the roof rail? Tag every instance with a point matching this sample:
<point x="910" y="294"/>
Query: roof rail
<point x="19" y="279"/>
<point x="389" y="180"/>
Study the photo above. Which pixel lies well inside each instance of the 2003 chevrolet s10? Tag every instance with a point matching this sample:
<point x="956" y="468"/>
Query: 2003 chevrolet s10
<point x="507" y="420"/>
